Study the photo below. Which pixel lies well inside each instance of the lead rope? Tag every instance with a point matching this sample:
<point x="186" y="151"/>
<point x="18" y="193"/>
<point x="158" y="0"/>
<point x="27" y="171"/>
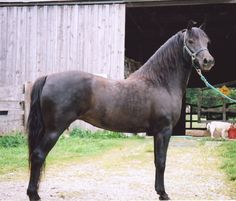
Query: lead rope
<point x="212" y="87"/>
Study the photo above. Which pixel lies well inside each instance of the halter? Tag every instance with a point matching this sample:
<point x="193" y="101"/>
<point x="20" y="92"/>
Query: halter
<point x="193" y="54"/>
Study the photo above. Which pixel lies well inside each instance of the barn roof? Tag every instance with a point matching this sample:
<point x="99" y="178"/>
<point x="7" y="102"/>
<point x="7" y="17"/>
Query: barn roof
<point x="128" y="2"/>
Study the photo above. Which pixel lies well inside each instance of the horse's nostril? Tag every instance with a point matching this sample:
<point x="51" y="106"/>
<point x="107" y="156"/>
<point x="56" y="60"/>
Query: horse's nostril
<point x="205" y="61"/>
<point x="213" y="62"/>
<point x="208" y="61"/>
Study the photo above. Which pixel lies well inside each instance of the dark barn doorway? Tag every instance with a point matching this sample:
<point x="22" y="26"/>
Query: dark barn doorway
<point x="147" y="28"/>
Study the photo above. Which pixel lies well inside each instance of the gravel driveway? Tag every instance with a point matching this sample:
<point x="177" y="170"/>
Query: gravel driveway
<point x="127" y="173"/>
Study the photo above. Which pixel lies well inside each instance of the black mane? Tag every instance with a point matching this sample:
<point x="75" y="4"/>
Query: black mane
<point x="164" y="62"/>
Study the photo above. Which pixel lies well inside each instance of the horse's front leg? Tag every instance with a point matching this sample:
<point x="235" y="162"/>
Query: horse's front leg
<point x="161" y="141"/>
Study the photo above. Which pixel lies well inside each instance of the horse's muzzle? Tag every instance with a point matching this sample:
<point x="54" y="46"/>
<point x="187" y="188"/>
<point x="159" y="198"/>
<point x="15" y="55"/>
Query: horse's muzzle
<point x="208" y="63"/>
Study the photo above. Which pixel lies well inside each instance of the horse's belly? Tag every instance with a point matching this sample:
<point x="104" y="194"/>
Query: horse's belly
<point x="119" y="124"/>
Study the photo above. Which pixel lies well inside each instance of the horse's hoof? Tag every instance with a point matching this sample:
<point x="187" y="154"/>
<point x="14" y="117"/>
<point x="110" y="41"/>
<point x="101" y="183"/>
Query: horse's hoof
<point x="33" y="196"/>
<point x="164" y="197"/>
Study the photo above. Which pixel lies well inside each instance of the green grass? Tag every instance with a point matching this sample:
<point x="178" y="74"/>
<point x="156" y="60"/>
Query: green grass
<point x="12" y="140"/>
<point x="76" y="132"/>
<point x="227" y="152"/>
<point x="73" y="147"/>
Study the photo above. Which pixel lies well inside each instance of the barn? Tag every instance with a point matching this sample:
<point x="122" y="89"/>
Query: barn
<point x="40" y="37"/>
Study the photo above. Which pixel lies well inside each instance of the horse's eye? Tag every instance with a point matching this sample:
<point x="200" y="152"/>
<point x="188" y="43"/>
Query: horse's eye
<point x="190" y="41"/>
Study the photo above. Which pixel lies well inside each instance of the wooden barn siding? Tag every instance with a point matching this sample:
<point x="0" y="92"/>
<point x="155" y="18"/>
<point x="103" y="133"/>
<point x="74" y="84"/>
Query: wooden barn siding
<point x="38" y="40"/>
<point x="11" y="108"/>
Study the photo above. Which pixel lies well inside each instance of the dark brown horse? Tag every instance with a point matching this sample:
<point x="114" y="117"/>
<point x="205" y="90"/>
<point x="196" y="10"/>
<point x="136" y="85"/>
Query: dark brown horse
<point x="148" y="101"/>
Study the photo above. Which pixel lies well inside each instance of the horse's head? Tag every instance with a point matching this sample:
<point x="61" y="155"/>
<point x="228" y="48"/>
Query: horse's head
<point x="195" y="44"/>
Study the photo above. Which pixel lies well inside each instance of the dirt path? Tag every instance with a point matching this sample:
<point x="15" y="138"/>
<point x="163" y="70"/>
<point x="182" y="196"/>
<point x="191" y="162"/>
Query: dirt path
<point x="128" y="174"/>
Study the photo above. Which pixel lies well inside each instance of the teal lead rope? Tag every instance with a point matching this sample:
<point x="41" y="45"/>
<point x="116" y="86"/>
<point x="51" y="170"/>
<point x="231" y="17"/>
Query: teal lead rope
<point x="212" y="87"/>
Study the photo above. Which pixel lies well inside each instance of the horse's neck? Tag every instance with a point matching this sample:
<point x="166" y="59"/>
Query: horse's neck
<point x="167" y="67"/>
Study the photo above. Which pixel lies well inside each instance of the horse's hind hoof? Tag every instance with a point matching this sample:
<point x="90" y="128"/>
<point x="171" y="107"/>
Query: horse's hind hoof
<point x="33" y="196"/>
<point x="164" y="197"/>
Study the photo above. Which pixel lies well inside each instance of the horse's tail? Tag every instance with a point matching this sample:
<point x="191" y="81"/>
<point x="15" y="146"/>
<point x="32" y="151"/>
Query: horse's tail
<point x="35" y="125"/>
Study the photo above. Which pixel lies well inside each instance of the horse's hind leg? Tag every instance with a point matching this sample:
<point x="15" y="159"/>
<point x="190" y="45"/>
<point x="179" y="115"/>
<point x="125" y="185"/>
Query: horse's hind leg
<point x="37" y="160"/>
<point x="161" y="141"/>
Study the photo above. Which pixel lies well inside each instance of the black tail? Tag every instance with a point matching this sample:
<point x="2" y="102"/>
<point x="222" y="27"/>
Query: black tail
<point x="35" y="123"/>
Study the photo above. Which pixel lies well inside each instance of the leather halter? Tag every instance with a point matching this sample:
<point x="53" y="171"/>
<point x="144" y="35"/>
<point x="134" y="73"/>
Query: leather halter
<point x="191" y="53"/>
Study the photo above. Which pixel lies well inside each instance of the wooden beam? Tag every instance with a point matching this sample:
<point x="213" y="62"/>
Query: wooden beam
<point x="55" y="2"/>
<point x="129" y="3"/>
<point x="153" y="3"/>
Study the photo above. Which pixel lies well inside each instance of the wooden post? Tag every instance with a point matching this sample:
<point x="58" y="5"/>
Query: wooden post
<point x="199" y="107"/>
<point x="224" y="110"/>
<point x="191" y="117"/>
<point x="27" y="92"/>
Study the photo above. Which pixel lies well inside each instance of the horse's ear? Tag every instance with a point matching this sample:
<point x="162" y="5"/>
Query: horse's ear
<point x="191" y="23"/>
<point x="203" y="26"/>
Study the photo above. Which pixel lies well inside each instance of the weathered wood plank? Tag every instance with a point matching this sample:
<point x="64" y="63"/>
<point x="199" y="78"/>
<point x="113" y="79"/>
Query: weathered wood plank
<point x="121" y="43"/>
<point x="80" y="38"/>
<point x="99" y="41"/>
<point x="11" y="105"/>
<point x="40" y="49"/>
<point x="54" y="38"/>
<point x="32" y="42"/>
<point x="114" y="44"/>
<point x="27" y="100"/>
<point x="11" y="126"/>
<point x="86" y="38"/>
<point x="11" y="93"/>
<point x="12" y="118"/>
<point x="44" y="41"/>
<point x="3" y="46"/>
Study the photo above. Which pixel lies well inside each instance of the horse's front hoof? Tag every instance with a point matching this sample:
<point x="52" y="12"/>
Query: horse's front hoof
<point x="33" y="196"/>
<point x="164" y="197"/>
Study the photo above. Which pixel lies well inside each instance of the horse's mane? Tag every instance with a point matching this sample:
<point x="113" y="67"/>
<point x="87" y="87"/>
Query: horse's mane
<point x="163" y="62"/>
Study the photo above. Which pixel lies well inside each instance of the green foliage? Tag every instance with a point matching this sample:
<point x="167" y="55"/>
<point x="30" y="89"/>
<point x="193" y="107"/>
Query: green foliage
<point x="209" y="97"/>
<point x="12" y="140"/>
<point x="76" y="132"/>
<point x="192" y="95"/>
<point x="227" y="152"/>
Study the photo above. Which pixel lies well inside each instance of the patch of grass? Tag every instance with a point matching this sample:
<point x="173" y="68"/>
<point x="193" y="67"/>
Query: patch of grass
<point x="14" y="140"/>
<point x="13" y="152"/>
<point x="227" y="152"/>
<point x="79" y="144"/>
<point x="76" y="132"/>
